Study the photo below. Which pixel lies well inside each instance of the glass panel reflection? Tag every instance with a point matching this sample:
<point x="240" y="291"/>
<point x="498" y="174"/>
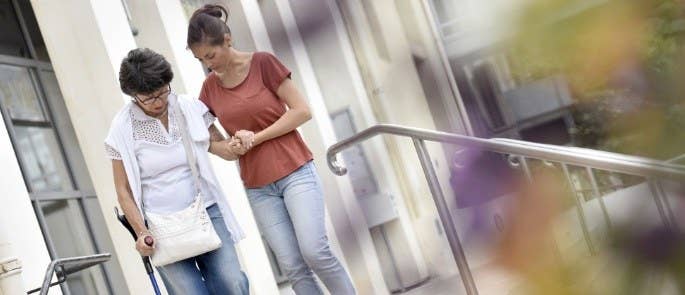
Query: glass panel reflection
<point x="42" y="161"/>
<point x="18" y="95"/>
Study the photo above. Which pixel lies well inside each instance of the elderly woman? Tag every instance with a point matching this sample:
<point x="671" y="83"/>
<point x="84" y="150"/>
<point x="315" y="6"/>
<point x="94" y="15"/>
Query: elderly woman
<point x="153" y="174"/>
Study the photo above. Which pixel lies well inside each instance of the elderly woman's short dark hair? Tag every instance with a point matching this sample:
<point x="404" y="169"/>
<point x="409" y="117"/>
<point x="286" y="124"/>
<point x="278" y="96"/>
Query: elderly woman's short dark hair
<point x="143" y="71"/>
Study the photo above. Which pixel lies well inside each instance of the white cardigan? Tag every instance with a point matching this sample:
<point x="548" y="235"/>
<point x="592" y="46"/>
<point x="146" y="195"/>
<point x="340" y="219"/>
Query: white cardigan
<point x="120" y="137"/>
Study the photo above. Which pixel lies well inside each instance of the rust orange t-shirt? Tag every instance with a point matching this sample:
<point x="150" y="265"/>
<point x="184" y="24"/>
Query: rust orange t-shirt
<point x="253" y="105"/>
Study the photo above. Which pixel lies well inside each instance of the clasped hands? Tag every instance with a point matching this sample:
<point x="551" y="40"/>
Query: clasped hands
<point x="239" y="144"/>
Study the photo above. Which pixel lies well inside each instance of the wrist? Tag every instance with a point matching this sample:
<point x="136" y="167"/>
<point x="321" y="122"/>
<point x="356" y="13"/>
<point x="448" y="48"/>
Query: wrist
<point x="212" y="147"/>
<point x="258" y="138"/>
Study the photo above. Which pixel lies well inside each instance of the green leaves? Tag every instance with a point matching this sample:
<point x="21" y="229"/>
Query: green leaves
<point x="614" y="54"/>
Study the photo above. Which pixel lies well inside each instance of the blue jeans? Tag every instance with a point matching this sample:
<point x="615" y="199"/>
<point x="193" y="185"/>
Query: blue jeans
<point x="290" y="216"/>
<point x="214" y="272"/>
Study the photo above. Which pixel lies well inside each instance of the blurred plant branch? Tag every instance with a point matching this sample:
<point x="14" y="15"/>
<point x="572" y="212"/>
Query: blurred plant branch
<point x="624" y="60"/>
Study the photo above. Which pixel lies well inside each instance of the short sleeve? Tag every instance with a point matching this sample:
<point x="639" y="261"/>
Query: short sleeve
<point x="112" y="153"/>
<point x="204" y="95"/>
<point x="201" y="109"/>
<point x="208" y="118"/>
<point x="273" y="71"/>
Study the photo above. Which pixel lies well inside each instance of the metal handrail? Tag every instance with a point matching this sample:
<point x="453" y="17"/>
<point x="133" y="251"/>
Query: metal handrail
<point x="676" y="159"/>
<point x="66" y="266"/>
<point x="632" y="165"/>
<point x="516" y="149"/>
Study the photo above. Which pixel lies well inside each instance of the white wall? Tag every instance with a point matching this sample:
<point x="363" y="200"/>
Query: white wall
<point x="386" y="44"/>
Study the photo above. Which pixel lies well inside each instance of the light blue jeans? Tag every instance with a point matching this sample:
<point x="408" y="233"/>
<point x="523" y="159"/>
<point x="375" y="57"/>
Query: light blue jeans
<point x="290" y="216"/>
<point x="215" y="272"/>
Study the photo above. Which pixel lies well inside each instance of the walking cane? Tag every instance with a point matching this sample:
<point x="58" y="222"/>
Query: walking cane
<point x="146" y="259"/>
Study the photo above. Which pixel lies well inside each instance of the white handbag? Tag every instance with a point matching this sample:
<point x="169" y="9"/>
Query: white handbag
<point x="188" y="232"/>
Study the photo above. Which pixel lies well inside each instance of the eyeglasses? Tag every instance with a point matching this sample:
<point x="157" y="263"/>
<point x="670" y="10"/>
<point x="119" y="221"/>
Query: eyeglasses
<point x="153" y="99"/>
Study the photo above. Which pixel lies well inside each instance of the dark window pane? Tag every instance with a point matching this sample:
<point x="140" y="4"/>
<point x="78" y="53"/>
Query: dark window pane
<point x="484" y="80"/>
<point x="11" y="40"/>
<point x="34" y="31"/>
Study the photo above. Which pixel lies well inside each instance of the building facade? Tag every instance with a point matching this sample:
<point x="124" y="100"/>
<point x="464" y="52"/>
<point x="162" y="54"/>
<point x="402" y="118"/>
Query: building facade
<point x="358" y="62"/>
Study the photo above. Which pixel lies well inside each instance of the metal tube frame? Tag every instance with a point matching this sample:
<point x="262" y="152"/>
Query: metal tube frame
<point x="59" y="263"/>
<point x="580" y="211"/>
<point x="632" y="165"/>
<point x="600" y="198"/>
<point x="552" y="240"/>
<point x="659" y="203"/>
<point x="446" y="218"/>
<point x="667" y="204"/>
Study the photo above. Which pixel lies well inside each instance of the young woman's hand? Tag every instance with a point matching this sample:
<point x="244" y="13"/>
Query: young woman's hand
<point x="145" y="248"/>
<point x="246" y="138"/>
<point x="237" y="147"/>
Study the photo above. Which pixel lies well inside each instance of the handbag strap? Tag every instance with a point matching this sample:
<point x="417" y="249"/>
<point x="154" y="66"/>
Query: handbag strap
<point x="185" y="137"/>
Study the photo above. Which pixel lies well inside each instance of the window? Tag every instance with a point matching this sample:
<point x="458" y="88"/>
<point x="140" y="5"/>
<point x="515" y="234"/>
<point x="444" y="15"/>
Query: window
<point x="53" y="168"/>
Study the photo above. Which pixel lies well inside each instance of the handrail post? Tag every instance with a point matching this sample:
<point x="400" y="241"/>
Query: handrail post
<point x="658" y="202"/>
<point x="599" y="196"/>
<point x="445" y="217"/>
<point x="579" y="210"/>
<point x="529" y="177"/>
<point x="652" y="170"/>
<point x="667" y="203"/>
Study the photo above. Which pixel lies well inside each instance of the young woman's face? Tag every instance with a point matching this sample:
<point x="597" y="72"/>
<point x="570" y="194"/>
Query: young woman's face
<point x="214" y="57"/>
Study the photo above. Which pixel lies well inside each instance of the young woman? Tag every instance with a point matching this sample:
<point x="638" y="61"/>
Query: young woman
<point x="254" y="99"/>
<point x="152" y="173"/>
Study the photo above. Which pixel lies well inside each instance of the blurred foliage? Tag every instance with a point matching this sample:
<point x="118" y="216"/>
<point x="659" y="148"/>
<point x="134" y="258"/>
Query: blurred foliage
<point x="624" y="61"/>
<point x="625" y="64"/>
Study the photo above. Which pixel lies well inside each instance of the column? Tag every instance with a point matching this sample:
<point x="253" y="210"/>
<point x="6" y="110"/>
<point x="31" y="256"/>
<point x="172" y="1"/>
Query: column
<point x="86" y="40"/>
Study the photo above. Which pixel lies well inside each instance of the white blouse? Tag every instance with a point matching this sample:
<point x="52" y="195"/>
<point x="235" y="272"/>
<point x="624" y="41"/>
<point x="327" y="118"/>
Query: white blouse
<point x="166" y="180"/>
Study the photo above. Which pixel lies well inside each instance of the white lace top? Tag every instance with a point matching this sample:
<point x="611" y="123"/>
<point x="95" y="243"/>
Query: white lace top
<point x="148" y="129"/>
<point x="166" y="180"/>
<point x="120" y="137"/>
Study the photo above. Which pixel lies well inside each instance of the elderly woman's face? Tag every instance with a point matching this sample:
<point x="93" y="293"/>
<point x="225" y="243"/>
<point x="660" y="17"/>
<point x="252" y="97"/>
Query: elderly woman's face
<point x="155" y="103"/>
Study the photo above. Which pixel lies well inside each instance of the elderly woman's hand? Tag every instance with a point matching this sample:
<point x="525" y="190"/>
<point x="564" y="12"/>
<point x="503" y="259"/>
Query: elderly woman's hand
<point x="143" y="248"/>
<point x="224" y="149"/>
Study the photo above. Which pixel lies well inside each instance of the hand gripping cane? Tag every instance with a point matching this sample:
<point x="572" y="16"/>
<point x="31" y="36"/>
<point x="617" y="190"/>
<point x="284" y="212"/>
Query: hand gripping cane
<point x="146" y="259"/>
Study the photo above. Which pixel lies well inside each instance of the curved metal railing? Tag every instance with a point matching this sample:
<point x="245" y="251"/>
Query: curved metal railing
<point x="632" y="165"/>
<point x="652" y="170"/>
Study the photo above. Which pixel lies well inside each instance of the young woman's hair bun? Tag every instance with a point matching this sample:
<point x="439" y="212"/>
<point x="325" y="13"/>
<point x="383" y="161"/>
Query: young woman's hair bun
<point x="208" y="25"/>
<point x="214" y="10"/>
